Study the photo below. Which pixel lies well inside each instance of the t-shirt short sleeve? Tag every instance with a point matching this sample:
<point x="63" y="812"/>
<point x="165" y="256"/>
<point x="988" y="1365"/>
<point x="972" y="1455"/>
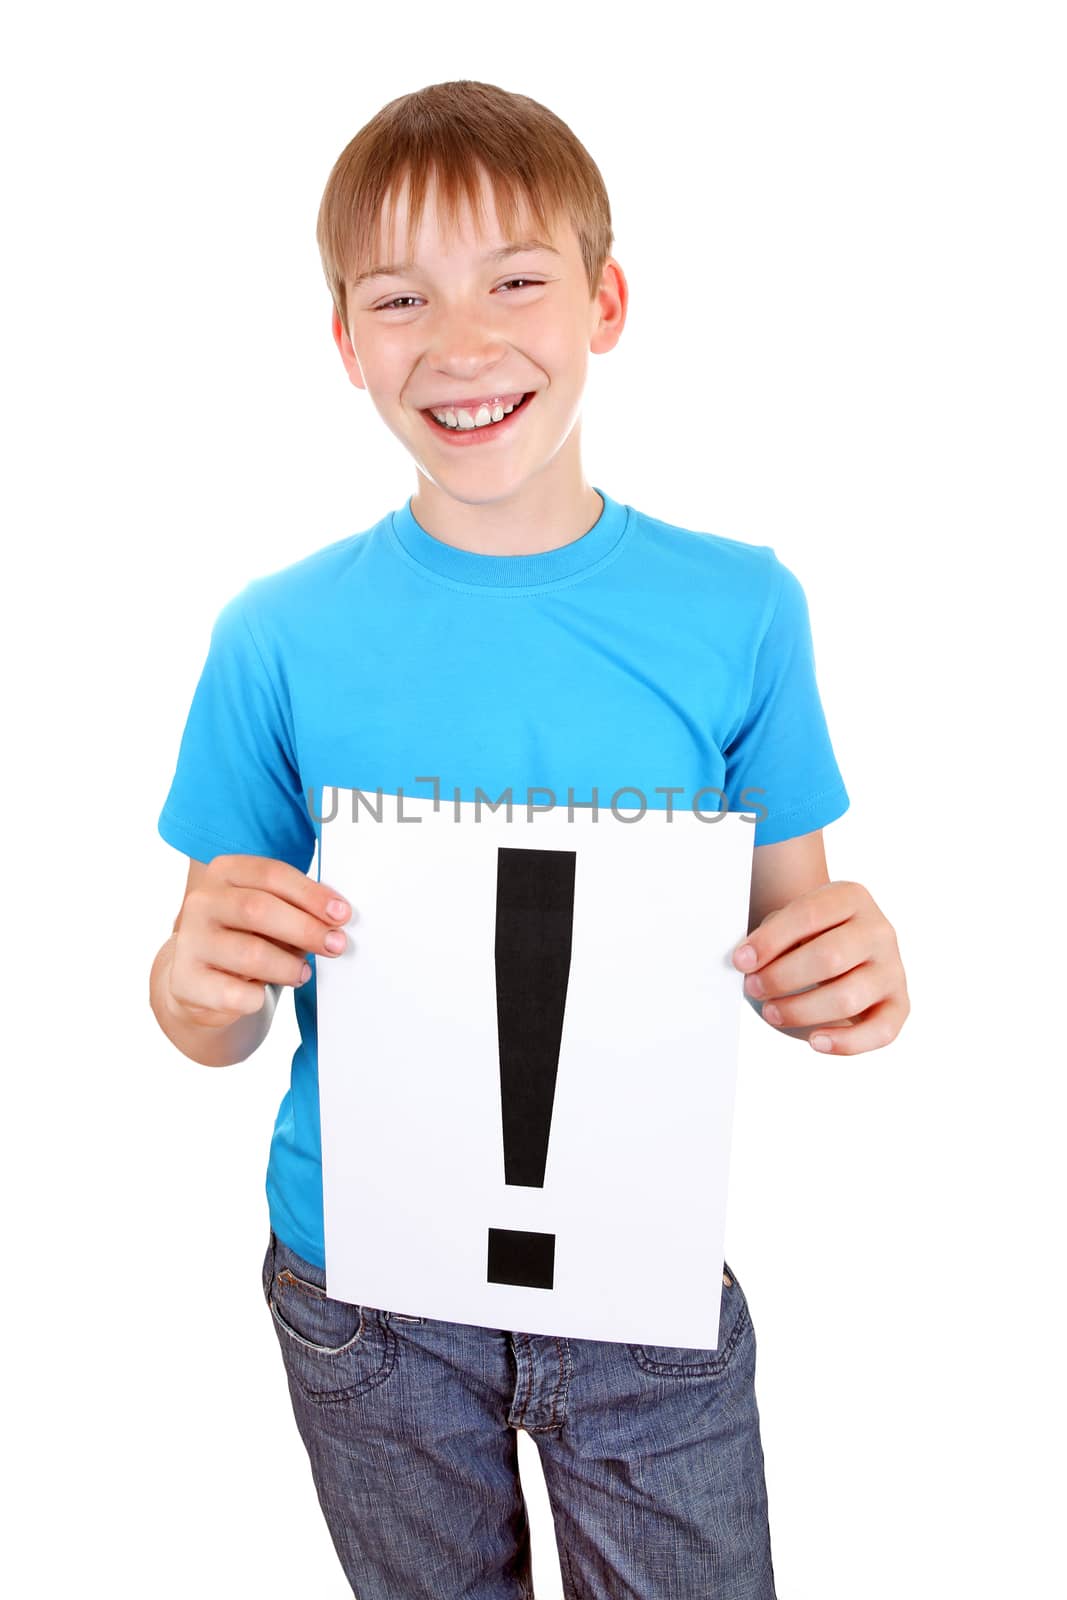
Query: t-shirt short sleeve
<point x="236" y="788"/>
<point x="781" y="751"/>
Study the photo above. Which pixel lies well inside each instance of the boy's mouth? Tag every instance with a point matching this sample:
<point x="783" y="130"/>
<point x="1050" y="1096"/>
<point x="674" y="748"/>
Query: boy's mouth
<point x="478" y="432"/>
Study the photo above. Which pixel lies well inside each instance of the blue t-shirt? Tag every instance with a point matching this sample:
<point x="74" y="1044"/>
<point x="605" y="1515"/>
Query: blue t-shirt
<point x="639" y="658"/>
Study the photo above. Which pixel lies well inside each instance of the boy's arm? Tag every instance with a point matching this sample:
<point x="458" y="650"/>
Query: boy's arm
<point x="782" y="872"/>
<point x="211" y="1047"/>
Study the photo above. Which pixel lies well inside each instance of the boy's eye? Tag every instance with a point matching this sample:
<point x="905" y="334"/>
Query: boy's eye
<point x="529" y="283"/>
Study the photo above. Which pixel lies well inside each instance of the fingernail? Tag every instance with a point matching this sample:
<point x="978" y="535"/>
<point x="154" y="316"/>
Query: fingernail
<point x="334" y="942"/>
<point x="819" y="1041"/>
<point x="338" y="910"/>
<point x="745" y="955"/>
<point x="305" y="973"/>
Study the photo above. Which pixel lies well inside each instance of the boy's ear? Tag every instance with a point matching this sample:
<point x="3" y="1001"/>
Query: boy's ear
<point x="348" y="355"/>
<point x="610" y="304"/>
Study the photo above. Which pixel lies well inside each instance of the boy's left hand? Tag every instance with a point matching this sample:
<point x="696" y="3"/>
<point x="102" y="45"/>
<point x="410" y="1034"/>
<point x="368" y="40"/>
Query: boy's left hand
<point x="834" y="943"/>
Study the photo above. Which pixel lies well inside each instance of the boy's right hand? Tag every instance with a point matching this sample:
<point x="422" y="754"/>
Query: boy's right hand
<point x="245" y="924"/>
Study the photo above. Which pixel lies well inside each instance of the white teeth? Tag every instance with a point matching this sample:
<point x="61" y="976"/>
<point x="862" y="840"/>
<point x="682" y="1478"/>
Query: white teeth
<point x="481" y="418"/>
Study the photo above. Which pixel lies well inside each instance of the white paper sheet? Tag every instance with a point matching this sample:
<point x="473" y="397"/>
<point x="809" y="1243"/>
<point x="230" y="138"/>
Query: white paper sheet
<point x="624" y="1238"/>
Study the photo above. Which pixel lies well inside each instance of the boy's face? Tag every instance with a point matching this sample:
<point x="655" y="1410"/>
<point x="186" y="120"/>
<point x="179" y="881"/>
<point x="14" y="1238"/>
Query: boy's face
<point x="455" y="328"/>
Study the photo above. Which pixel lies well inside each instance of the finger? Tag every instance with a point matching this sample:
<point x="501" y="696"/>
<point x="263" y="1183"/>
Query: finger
<point x="849" y="996"/>
<point x="847" y="947"/>
<point x="872" y="1031"/>
<point x="291" y="949"/>
<point x="218" y="994"/>
<point x="801" y="920"/>
<point x="286" y="883"/>
<point x="261" y="911"/>
<point x="254" y="959"/>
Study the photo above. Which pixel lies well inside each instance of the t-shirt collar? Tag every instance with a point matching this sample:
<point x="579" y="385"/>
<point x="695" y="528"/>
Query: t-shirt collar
<point x="472" y="570"/>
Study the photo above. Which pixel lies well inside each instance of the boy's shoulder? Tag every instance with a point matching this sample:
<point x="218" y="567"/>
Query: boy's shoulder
<point x="713" y="563"/>
<point x="304" y="582"/>
<point x="689" y="560"/>
<point x="702" y="544"/>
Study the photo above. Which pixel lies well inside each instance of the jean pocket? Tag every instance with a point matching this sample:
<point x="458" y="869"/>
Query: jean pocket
<point x="295" y="1290"/>
<point x="679" y="1361"/>
<point x="333" y="1350"/>
<point x="307" y="1313"/>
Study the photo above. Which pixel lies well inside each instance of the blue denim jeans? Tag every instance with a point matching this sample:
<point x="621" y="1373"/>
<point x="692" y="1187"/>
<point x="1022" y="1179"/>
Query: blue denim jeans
<point x="651" y="1455"/>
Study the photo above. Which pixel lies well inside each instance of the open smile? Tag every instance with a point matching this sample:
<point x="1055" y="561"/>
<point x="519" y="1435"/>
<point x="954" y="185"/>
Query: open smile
<point x="463" y="437"/>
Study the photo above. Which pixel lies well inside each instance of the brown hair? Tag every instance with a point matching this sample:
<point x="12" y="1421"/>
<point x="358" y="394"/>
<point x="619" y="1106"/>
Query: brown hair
<point x="453" y="132"/>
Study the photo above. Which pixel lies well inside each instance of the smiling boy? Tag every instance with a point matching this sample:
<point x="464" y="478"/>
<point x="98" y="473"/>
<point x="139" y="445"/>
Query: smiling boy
<point x="510" y="626"/>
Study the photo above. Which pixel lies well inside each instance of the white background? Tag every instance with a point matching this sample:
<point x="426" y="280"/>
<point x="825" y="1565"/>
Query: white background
<point x="842" y="230"/>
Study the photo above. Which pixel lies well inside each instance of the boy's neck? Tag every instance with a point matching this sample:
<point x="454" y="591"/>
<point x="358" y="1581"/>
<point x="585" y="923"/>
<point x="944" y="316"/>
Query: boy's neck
<point x="542" y="516"/>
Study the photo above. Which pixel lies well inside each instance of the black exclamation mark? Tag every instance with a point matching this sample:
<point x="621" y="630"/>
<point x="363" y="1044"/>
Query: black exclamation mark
<point x="534" y="921"/>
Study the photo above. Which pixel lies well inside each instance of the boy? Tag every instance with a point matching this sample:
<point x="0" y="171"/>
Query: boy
<point x="510" y="625"/>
